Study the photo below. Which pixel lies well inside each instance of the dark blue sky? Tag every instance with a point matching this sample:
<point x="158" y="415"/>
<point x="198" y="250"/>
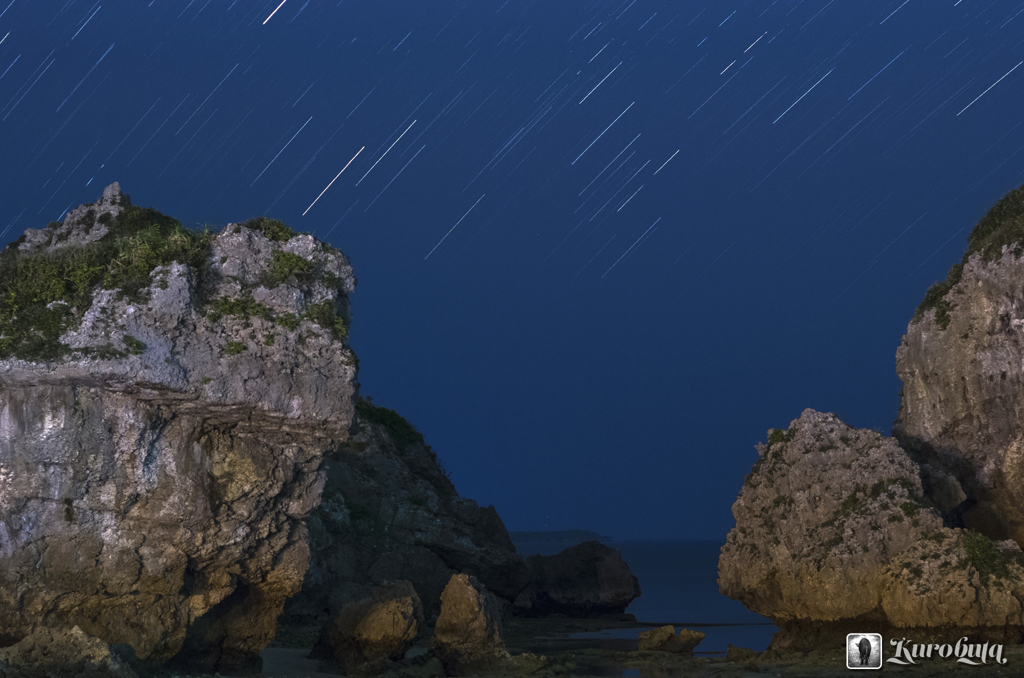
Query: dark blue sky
<point x="597" y="339"/>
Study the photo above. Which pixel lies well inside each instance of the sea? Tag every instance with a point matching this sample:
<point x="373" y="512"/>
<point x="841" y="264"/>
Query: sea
<point x="679" y="586"/>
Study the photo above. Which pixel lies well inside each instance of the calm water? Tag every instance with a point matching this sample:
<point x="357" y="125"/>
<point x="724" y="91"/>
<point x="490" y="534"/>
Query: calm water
<point x="679" y="581"/>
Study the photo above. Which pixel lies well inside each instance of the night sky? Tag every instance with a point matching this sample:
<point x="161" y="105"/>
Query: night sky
<point x="602" y="246"/>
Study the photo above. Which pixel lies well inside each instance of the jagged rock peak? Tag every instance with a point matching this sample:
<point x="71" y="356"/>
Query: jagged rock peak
<point x="81" y="226"/>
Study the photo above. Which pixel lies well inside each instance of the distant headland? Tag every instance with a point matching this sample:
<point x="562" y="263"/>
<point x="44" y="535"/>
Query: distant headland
<point x="558" y="535"/>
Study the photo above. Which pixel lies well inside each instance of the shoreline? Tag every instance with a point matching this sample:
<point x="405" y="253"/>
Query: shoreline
<point x="565" y="656"/>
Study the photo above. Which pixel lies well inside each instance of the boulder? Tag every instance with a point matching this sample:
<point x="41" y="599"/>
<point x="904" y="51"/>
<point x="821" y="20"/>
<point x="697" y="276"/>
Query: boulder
<point x="586" y="580"/>
<point x="383" y="625"/>
<point x="665" y="639"/>
<point x="962" y="402"/>
<point x="389" y="512"/>
<point x="162" y="434"/>
<point x="832" y="525"/>
<point x="740" y="655"/>
<point x="54" y="653"/>
<point x="467" y="635"/>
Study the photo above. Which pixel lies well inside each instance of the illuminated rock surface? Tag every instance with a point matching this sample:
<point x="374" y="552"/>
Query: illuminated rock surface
<point x="159" y="451"/>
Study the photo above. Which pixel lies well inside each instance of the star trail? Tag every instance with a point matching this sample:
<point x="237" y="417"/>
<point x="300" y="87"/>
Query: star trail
<point x="693" y="220"/>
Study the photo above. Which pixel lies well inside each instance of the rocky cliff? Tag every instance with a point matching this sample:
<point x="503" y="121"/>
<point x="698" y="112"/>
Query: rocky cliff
<point x="166" y="400"/>
<point x="389" y="512"/>
<point x="922" y="530"/>
<point x="962" y="367"/>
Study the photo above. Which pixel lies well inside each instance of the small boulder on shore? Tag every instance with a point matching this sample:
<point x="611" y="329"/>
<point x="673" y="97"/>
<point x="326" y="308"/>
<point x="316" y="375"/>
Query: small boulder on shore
<point x="383" y="625"/>
<point x="665" y="639"/>
<point x="467" y="636"/>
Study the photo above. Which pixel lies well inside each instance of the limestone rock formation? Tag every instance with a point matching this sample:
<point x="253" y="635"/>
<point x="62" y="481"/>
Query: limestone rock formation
<point x="586" y="580"/>
<point x="467" y="635"/>
<point x="665" y="639"/>
<point x="383" y="625"/>
<point x="833" y="525"/>
<point x="962" y="408"/>
<point x="390" y="513"/>
<point x="163" y="430"/>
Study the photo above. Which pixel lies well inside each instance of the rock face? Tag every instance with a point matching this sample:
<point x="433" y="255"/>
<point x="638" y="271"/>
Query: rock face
<point x="832" y="525"/>
<point x="381" y="626"/>
<point x="162" y="430"/>
<point x="962" y="409"/>
<point x="467" y="636"/>
<point x="920" y="530"/>
<point x="390" y="513"/>
<point x="586" y="580"/>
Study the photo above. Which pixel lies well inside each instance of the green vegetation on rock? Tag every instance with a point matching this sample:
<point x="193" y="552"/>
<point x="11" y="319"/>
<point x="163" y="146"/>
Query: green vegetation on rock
<point x="321" y="314"/>
<point x="234" y="347"/>
<point x="984" y="557"/>
<point x="135" y="347"/>
<point x="43" y="295"/>
<point x="403" y="433"/>
<point x="284" y="266"/>
<point x="273" y="229"/>
<point x="1002" y="226"/>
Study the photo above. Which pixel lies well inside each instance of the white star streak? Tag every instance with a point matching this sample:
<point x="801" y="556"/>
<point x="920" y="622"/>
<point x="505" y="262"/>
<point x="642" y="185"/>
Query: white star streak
<point x="989" y="87"/>
<point x="894" y="11"/>
<point x="281" y="151"/>
<point x="802" y="96"/>
<point x="876" y="75"/>
<point x="631" y="247"/>
<point x="386" y="152"/>
<point x="206" y="99"/>
<point x="456" y="224"/>
<point x="86" y="21"/>
<point x="84" y="77"/>
<point x="274" y="12"/>
<point x="713" y="95"/>
<point x="395" y="177"/>
<point x="666" y="162"/>
<point x="333" y="180"/>
<point x="602" y="133"/>
<point x="602" y="80"/>
<point x="755" y="42"/>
